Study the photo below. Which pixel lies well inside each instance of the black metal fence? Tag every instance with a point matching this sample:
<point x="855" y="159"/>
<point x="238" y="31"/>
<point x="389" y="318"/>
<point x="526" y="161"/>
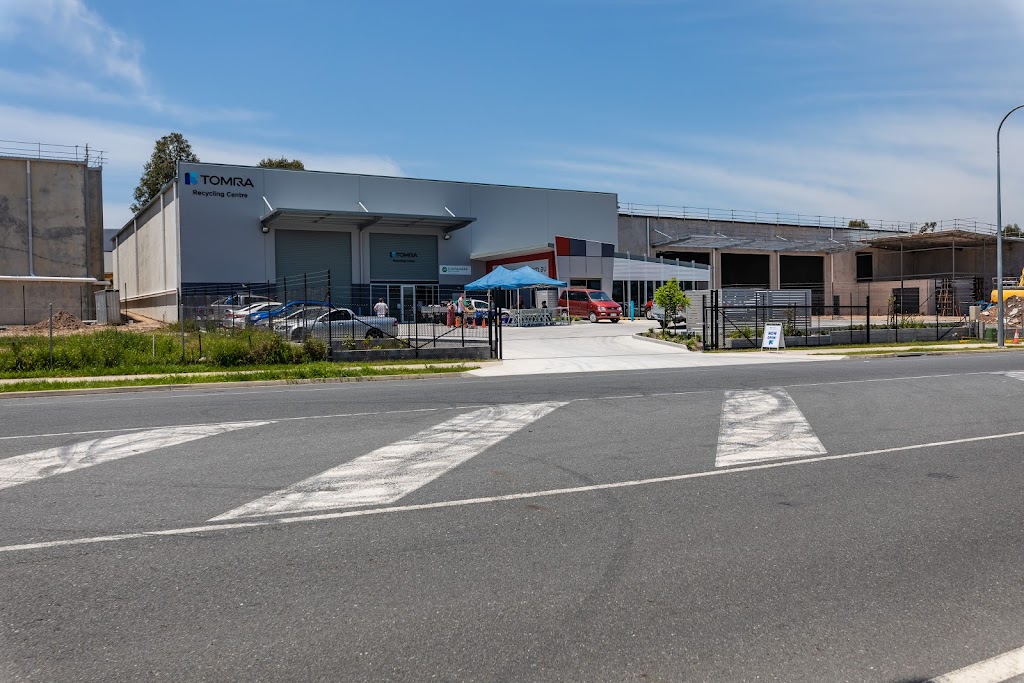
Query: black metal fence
<point x="742" y="326"/>
<point x="344" y="316"/>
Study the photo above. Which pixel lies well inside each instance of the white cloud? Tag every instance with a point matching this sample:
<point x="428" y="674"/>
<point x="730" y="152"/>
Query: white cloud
<point x="71" y="27"/>
<point x="898" y="166"/>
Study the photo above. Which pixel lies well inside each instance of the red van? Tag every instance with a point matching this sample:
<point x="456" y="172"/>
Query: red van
<point x="590" y="303"/>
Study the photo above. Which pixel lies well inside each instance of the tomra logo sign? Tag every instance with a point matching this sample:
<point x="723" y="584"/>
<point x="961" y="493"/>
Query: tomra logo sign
<point x="201" y="179"/>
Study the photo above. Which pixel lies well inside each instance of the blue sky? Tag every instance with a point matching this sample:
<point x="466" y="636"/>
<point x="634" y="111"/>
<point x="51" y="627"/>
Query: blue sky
<point x="869" y="108"/>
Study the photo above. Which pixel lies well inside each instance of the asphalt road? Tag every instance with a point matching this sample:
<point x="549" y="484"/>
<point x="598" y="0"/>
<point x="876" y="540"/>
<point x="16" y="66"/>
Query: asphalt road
<point x="828" y="521"/>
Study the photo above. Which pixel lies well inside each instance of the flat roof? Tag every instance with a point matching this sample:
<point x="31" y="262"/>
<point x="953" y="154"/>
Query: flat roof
<point x="398" y="177"/>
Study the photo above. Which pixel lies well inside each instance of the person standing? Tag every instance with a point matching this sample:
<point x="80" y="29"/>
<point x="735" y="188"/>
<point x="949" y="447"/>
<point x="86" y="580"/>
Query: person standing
<point x="451" y="314"/>
<point x="380" y="309"/>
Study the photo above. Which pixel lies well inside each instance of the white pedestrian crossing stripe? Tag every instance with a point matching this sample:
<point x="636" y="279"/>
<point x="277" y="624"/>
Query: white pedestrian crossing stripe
<point x="763" y="424"/>
<point x="389" y="473"/>
<point x="22" y="469"/>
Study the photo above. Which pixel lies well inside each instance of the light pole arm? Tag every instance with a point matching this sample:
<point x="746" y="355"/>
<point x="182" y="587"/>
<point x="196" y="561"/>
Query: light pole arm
<point x="1001" y="324"/>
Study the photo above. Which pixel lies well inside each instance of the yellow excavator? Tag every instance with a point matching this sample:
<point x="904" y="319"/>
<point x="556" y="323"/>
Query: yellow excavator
<point x="1011" y="288"/>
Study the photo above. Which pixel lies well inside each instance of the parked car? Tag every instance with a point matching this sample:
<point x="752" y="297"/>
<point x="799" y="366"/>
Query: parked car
<point x="261" y="319"/>
<point x="220" y="307"/>
<point x="343" y="323"/>
<point x="592" y="304"/>
<point x="655" y="312"/>
<point x="303" y="316"/>
<point x="240" y="316"/>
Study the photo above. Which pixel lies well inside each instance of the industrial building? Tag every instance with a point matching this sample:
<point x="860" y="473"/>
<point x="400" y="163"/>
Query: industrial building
<point x="221" y="229"/>
<point x="51" y="231"/>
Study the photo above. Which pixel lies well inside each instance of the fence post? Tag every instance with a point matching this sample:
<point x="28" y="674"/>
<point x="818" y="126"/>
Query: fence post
<point x="51" y="335"/>
<point x="24" y="307"/>
<point x="181" y="324"/>
<point x="704" y="320"/>
<point x="330" y="328"/>
<point x="867" y="318"/>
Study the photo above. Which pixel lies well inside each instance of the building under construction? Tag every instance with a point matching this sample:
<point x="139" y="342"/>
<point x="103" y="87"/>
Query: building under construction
<point x="923" y="268"/>
<point x="51" y="231"/>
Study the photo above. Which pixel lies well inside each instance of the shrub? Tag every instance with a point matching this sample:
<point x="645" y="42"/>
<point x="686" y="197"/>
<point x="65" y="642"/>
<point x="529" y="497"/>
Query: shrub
<point x="315" y="349"/>
<point x="742" y="332"/>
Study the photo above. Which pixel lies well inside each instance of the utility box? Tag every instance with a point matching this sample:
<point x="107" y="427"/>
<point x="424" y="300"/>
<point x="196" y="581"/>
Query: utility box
<point x="108" y="307"/>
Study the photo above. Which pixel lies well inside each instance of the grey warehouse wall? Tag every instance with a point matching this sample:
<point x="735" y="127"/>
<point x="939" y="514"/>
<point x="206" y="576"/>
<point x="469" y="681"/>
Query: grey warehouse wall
<point x="222" y="240"/>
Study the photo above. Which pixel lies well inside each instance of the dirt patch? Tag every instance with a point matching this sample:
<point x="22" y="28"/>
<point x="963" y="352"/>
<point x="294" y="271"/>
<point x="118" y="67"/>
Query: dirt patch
<point x="62" y="320"/>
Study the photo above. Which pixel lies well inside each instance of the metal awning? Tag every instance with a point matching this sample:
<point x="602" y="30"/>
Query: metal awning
<point x="945" y="239"/>
<point x="360" y="220"/>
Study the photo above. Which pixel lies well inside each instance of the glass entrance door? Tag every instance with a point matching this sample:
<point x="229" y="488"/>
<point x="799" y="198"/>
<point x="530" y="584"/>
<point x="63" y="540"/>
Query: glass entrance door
<point x="408" y="304"/>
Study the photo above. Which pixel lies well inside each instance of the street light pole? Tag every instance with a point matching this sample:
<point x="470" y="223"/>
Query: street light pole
<point x="1001" y="334"/>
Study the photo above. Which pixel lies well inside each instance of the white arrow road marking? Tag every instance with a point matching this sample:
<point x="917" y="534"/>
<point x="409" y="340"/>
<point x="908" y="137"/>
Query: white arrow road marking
<point x="22" y="469"/>
<point x="389" y="473"/>
<point x="995" y="670"/>
<point x="765" y="424"/>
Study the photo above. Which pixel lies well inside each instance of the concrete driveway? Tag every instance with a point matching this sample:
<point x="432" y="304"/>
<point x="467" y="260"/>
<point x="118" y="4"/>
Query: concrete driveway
<point x="600" y="347"/>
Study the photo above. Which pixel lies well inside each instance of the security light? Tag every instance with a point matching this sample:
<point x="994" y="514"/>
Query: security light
<point x="447" y="235"/>
<point x="266" y="229"/>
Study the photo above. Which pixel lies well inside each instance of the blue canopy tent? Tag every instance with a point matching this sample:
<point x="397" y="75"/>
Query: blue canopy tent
<point x="520" y="278"/>
<point x="493" y="280"/>
<point x="528" y="278"/>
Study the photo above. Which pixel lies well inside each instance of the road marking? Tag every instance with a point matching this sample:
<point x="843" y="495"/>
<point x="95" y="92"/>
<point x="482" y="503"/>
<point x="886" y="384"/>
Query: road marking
<point x="763" y="424"/>
<point x="21" y="469"/>
<point x="994" y="670"/>
<point x="392" y="472"/>
<point x="489" y="379"/>
<point x="1015" y="375"/>
<point x="185" y="531"/>
<point x="205" y="424"/>
<point x="491" y="499"/>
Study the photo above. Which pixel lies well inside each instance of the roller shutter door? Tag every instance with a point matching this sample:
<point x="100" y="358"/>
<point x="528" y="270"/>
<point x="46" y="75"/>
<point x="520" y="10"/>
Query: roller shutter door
<point x="298" y="252"/>
<point x="403" y="258"/>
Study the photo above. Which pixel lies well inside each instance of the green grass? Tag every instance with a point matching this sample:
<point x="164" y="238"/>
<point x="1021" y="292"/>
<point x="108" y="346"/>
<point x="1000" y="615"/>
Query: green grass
<point x="310" y="371"/>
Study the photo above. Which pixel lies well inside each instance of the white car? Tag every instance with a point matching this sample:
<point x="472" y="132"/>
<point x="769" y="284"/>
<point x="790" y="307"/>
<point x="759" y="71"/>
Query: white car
<point x="239" y="316"/>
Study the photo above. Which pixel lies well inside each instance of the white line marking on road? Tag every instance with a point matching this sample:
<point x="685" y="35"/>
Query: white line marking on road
<point x="494" y="499"/>
<point x="1015" y="375"/>
<point x="765" y="424"/>
<point x="415" y="410"/>
<point x="206" y="424"/>
<point x="21" y="469"/>
<point x="994" y="670"/>
<point x="392" y="472"/>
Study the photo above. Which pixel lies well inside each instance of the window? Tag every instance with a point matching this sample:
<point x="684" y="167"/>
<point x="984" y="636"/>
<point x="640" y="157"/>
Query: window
<point x="342" y="314"/>
<point x="865" y="267"/>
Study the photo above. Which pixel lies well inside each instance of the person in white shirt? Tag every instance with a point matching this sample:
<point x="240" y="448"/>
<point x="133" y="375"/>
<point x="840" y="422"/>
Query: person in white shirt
<point x="380" y="308"/>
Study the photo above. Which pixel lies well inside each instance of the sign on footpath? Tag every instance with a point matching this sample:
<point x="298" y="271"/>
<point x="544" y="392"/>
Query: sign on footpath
<point x="773" y="338"/>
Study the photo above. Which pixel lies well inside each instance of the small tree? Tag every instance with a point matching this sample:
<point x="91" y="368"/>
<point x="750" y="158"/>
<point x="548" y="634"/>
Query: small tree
<point x="670" y="297"/>
<point x="1011" y="230"/>
<point x="858" y="223"/>
<point x="282" y="162"/>
<point x="161" y="167"/>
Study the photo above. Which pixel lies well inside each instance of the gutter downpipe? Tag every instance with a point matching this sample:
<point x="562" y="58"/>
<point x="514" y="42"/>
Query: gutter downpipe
<point x="28" y="186"/>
